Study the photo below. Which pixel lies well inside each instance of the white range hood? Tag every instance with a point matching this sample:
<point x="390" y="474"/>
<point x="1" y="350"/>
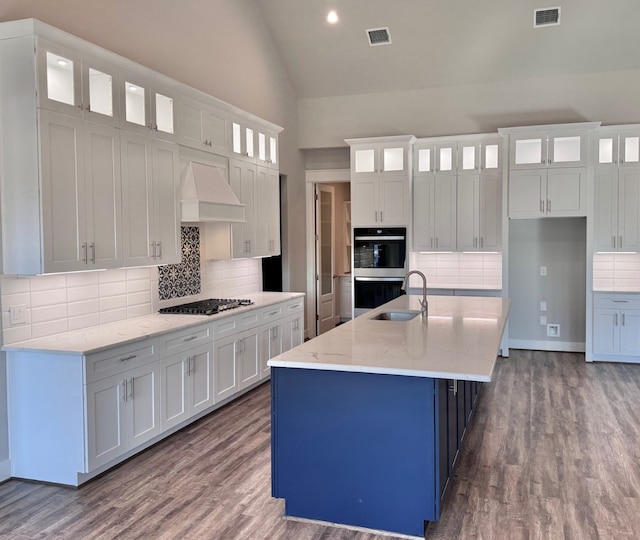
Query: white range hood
<point x="208" y="197"/>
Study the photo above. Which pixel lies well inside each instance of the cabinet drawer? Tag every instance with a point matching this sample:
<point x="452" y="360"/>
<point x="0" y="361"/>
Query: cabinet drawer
<point x="294" y="305"/>
<point x="119" y="359"/>
<point x="617" y="301"/>
<point x="237" y="323"/>
<point x="185" y="339"/>
<point x="273" y="312"/>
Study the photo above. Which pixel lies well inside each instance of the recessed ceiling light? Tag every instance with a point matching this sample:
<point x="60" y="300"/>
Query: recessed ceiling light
<point x="332" y="17"/>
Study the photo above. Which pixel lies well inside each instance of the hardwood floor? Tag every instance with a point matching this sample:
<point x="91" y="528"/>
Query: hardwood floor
<point x="553" y="452"/>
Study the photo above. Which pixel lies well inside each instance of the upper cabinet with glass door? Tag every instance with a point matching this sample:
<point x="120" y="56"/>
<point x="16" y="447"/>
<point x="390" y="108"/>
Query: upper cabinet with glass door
<point x="617" y="147"/>
<point x="457" y="155"/>
<point x="75" y="84"/>
<point x="387" y="158"/>
<point x="267" y="149"/>
<point x="553" y="149"/>
<point x="148" y="106"/>
<point x="243" y="141"/>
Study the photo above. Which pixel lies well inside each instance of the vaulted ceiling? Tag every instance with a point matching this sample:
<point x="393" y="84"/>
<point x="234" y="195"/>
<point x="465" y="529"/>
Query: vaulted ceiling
<point x="436" y="43"/>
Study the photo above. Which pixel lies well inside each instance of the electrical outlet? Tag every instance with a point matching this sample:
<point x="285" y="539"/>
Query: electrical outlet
<point x="543" y="320"/>
<point x="543" y="270"/>
<point x="553" y="330"/>
<point x="543" y="306"/>
<point x="17" y="314"/>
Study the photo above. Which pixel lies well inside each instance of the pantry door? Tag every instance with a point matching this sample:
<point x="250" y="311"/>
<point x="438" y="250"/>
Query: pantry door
<point x="325" y="275"/>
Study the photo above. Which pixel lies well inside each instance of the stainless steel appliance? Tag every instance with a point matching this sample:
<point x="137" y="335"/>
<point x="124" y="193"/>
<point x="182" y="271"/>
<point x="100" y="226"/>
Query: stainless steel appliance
<point x="380" y="251"/>
<point x="210" y="306"/>
<point x="379" y="266"/>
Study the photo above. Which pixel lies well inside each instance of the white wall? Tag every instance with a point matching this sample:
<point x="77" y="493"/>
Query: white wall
<point x="610" y="97"/>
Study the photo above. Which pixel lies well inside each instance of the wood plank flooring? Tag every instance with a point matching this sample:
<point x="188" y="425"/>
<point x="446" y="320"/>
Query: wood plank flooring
<point x="553" y="452"/>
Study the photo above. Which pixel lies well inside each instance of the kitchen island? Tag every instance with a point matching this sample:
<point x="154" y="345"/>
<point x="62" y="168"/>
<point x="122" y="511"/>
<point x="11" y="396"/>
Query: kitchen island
<point x="368" y="419"/>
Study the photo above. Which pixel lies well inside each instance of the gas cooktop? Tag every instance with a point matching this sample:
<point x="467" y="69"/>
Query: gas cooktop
<point x="210" y="306"/>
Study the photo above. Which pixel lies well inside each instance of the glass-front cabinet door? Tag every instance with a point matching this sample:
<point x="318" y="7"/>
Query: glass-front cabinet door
<point x="148" y="107"/>
<point x="382" y="159"/>
<point x="267" y="152"/>
<point x="617" y="149"/>
<point x="629" y="149"/>
<point x="468" y="157"/>
<point x="445" y="155"/>
<point x="423" y="159"/>
<point x="491" y="155"/>
<point x="554" y="149"/>
<point x="76" y="85"/>
<point x="244" y="141"/>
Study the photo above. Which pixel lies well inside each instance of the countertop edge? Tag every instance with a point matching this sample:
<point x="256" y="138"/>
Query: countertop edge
<point x="47" y="345"/>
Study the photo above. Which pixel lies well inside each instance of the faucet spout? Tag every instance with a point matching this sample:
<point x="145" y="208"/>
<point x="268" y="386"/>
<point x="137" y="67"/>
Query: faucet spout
<point x="423" y="302"/>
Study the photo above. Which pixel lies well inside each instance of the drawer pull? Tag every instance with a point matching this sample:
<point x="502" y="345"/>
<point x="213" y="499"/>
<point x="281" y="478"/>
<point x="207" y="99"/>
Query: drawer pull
<point x="620" y="301"/>
<point x="130" y="357"/>
<point x="190" y="338"/>
<point x="273" y="313"/>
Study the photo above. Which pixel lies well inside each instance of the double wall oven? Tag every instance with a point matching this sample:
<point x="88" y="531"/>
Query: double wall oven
<point x="379" y="266"/>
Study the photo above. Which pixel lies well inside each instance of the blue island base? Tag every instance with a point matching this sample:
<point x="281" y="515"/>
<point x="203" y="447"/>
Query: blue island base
<point x="356" y="449"/>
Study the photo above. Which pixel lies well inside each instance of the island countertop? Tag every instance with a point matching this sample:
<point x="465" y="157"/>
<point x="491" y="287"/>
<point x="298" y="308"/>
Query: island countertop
<point x="459" y="339"/>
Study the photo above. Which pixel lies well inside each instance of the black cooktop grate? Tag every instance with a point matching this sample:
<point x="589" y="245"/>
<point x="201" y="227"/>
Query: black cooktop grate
<point x="210" y="306"/>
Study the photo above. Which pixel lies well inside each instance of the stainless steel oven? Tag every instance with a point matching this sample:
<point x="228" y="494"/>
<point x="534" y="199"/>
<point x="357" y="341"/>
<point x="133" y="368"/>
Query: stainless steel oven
<point x="380" y="251"/>
<point x="370" y="292"/>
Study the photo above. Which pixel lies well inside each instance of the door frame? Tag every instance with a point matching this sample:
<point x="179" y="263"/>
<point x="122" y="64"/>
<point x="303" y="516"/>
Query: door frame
<point x="323" y="176"/>
<point x="335" y="316"/>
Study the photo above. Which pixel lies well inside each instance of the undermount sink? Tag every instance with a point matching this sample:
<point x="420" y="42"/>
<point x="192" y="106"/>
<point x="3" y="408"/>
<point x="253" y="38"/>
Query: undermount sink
<point x="395" y="316"/>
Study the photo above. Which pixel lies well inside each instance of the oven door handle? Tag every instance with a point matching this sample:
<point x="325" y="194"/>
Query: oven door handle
<point x="359" y="278"/>
<point x="368" y="238"/>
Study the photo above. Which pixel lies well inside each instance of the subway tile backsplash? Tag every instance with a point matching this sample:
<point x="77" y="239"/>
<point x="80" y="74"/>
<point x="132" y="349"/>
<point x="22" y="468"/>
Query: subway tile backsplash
<point x="458" y="270"/>
<point x="65" y="302"/>
<point x="616" y="272"/>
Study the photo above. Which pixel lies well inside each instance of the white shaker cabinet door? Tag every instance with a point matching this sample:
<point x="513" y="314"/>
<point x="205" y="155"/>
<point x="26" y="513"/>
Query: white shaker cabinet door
<point x="225" y="374"/>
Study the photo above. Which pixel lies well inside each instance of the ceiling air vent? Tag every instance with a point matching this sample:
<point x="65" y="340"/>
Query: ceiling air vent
<point x="378" y="36"/>
<point x="546" y="17"/>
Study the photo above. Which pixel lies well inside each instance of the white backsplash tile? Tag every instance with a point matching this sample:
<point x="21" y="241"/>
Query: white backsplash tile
<point x="63" y="302"/>
<point x="616" y="272"/>
<point x="458" y="270"/>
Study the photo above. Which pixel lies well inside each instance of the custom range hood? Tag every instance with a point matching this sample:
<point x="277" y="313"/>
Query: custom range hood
<point x="208" y="197"/>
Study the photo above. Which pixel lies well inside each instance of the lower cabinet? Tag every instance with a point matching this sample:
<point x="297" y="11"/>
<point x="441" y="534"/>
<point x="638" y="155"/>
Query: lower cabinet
<point x="616" y="327"/>
<point x="187" y="387"/>
<point x="96" y="410"/>
<point x="123" y="411"/>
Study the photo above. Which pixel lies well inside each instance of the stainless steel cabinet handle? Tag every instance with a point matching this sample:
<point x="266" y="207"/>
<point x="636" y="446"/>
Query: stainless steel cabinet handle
<point x="84" y="250"/>
<point x="475" y="242"/>
<point x="381" y="218"/>
<point x="548" y="205"/>
<point x="482" y="242"/>
<point x="454" y="387"/>
<point x="130" y="357"/>
<point x="92" y="245"/>
<point x="376" y="212"/>
<point x="190" y="338"/>
<point x="188" y="372"/>
<point x="615" y="322"/>
<point x="620" y="243"/>
<point x="124" y="390"/>
<point x="153" y="250"/>
<point x="159" y="244"/>
<point x="131" y="393"/>
<point x="623" y="319"/>
<point x="541" y="205"/>
<point x="614" y="242"/>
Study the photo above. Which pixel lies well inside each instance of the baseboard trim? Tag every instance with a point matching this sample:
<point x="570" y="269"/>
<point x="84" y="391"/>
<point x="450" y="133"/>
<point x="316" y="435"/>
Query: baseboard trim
<point x="5" y="470"/>
<point x="534" y="345"/>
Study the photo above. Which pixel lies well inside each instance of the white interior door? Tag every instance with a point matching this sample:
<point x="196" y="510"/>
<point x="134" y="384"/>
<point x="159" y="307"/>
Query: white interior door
<point x="325" y="242"/>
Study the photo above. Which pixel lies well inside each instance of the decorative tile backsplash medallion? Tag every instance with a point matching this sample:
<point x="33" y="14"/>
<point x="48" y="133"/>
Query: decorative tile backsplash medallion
<point x="177" y="280"/>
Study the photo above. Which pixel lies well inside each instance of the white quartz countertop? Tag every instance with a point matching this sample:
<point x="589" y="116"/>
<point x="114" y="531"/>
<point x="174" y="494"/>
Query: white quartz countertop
<point x="459" y="339"/>
<point x="98" y="338"/>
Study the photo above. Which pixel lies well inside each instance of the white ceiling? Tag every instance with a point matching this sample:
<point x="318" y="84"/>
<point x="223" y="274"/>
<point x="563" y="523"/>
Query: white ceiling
<point x="446" y="42"/>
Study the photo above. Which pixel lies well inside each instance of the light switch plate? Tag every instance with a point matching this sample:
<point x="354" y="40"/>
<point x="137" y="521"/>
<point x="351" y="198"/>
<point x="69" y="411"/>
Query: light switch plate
<point x="543" y="306"/>
<point x="553" y="330"/>
<point x="543" y="270"/>
<point x="17" y="314"/>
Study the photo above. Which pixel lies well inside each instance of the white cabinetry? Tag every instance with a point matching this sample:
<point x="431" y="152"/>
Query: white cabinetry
<point x="148" y="105"/>
<point x="457" y="193"/>
<point x="80" y="197"/>
<point x="381" y="181"/>
<point x="616" y="327"/>
<point x="293" y="323"/>
<point x="76" y="83"/>
<point x="434" y="213"/>
<point x="548" y="170"/>
<point x="479" y="212"/>
<point x="150" y="189"/>
<point x="258" y="188"/>
<point x="548" y="193"/>
<point x="187" y="374"/>
<point x="617" y="189"/>
<point x="202" y="126"/>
